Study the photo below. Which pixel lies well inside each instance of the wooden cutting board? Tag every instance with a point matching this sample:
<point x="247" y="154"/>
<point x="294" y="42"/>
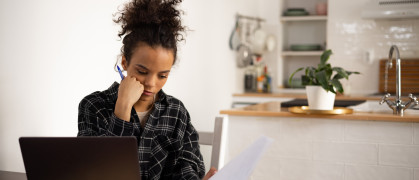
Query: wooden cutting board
<point x="409" y="76"/>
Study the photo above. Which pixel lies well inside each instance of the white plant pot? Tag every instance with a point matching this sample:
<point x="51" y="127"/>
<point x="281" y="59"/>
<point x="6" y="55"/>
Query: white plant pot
<point x="319" y="99"/>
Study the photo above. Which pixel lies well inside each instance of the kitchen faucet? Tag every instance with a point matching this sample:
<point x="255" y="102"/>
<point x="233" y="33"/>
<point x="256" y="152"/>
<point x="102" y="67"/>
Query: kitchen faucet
<point x="398" y="106"/>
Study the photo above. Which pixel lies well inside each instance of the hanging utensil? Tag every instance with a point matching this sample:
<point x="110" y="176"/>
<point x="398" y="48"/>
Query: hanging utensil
<point x="270" y="42"/>
<point x="234" y="37"/>
<point x="259" y="40"/>
<point x="244" y="55"/>
<point x="244" y="52"/>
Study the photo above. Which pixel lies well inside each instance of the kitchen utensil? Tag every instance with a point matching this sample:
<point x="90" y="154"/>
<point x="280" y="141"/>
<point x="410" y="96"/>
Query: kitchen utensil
<point x="296" y="12"/>
<point x="321" y="8"/>
<point x="244" y="52"/>
<point x="234" y="41"/>
<point x="296" y="9"/>
<point x="270" y="42"/>
<point x="244" y="55"/>
<point x="259" y="41"/>
<point x="305" y="47"/>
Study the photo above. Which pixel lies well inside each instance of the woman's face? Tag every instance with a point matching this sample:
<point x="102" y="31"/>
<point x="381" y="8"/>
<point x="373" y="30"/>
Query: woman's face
<point x="150" y="66"/>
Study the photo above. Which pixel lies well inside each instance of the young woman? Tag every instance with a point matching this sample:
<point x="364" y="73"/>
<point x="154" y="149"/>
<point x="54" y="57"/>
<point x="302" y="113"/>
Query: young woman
<point x="167" y="142"/>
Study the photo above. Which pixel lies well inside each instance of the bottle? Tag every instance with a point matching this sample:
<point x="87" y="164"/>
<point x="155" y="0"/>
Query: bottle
<point x="267" y="80"/>
<point x="260" y="75"/>
<point x="260" y="80"/>
<point x="250" y="78"/>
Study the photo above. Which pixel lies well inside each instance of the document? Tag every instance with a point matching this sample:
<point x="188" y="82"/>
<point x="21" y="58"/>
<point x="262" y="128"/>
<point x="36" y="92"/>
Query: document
<point x="242" y="166"/>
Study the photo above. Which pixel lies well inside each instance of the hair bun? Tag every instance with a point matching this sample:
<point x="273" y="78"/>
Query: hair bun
<point x="154" y="22"/>
<point x="140" y="13"/>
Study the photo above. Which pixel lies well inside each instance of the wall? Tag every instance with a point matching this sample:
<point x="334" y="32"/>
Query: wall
<point x="351" y="38"/>
<point x="329" y="149"/>
<point x="53" y="53"/>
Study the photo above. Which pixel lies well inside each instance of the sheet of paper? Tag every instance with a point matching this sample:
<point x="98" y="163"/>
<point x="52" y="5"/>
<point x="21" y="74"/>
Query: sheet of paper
<point x="242" y="166"/>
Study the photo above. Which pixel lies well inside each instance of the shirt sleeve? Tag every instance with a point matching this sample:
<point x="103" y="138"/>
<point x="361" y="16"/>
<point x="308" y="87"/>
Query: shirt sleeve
<point x="190" y="162"/>
<point x="95" y="119"/>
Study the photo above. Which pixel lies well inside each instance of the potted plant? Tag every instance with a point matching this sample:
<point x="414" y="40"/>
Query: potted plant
<point x="322" y="82"/>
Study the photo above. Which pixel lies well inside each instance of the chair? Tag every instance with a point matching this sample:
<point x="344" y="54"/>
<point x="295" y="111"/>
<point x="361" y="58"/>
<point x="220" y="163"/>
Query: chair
<point x="217" y="140"/>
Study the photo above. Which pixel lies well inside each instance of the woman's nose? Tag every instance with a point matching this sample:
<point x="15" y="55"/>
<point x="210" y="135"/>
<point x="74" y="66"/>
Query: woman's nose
<point x="150" y="81"/>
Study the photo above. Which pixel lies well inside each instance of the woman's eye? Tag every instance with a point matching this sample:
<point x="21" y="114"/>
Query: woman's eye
<point x="163" y="76"/>
<point x="142" y="72"/>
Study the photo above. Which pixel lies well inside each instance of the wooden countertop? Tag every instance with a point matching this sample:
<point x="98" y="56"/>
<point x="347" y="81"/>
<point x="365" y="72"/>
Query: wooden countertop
<point x="303" y="96"/>
<point x="273" y="109"/>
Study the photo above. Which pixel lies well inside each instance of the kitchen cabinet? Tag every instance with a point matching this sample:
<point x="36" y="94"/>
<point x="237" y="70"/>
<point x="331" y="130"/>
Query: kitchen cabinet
<point x="300" y="30"/>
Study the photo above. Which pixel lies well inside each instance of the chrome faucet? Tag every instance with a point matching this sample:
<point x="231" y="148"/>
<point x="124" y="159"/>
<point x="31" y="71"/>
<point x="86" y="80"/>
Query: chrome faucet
<point x="398" y="106"/>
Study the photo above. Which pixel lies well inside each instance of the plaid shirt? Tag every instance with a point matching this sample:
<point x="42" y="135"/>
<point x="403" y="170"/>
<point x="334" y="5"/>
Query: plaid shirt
<point x="167" y="145"/>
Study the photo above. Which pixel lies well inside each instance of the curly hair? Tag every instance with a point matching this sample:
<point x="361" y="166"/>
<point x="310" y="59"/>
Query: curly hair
<point x="154" y="22"/>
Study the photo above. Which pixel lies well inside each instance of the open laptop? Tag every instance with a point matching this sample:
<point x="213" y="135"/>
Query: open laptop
<point x="81" y="158"/>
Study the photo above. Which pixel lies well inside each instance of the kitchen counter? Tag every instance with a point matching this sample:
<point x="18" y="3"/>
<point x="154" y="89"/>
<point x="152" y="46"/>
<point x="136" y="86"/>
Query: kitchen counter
<point x="273" y="109"/>
<point x="303" y="96"/>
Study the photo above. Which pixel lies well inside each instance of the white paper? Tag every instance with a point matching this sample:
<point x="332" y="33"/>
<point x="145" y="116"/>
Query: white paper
<point x="242" y="166"/>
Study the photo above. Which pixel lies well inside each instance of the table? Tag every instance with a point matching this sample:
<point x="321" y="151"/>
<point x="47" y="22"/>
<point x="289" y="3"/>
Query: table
<point x="8" y="175"/>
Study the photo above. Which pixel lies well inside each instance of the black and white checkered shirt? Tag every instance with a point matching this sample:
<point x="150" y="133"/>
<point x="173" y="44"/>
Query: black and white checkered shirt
<point x="167" y="145"/>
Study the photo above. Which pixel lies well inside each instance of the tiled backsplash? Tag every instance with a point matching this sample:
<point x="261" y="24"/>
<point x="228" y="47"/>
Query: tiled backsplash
<point x="329" y="149"/>
<point x="357" y="37"/>
<point x="359" y="44"/>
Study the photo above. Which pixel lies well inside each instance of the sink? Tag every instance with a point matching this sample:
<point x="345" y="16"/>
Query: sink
<point x="374" y="107"/>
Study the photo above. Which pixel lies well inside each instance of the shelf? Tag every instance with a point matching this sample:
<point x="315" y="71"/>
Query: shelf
<point x="299" y="30"/>
<point x="303" y="18"/>
<point x="302" y="53"/>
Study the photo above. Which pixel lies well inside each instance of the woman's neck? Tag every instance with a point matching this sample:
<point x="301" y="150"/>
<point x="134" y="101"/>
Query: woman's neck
<point x="142" y="106"/>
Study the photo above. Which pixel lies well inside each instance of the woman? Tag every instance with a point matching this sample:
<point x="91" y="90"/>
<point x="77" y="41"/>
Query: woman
<point x="167" y="142"/>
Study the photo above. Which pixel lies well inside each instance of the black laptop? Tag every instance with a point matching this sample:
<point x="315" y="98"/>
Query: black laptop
<point x="80" y="158"/>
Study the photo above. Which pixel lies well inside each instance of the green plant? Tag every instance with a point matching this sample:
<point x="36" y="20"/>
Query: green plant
<point x="324" y="75"/>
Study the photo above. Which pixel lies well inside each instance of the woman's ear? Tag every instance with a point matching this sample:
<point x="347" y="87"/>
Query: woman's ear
<point x="124" y="63"/>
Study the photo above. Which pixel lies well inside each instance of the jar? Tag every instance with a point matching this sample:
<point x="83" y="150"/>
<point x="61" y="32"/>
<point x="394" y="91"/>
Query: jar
<point x="321" y="8"/>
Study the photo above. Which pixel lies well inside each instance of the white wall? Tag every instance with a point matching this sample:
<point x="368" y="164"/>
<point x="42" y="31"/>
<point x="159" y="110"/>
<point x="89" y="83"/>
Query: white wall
<point x="351" y="37"/>
<point x="53" y="53"/>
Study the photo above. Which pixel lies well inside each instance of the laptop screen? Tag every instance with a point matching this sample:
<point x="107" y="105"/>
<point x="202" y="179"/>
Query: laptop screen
<point x="81" y="158"/>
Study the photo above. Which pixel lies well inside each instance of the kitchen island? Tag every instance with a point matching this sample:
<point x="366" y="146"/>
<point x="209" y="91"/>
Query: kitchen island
<point x="353" y="146"/>
<point x="273" y="109"/>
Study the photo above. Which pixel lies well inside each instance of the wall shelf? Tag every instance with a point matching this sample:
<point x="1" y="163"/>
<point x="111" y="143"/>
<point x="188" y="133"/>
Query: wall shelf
<point x="300" y="30"/>
<point x="303" y="18"/>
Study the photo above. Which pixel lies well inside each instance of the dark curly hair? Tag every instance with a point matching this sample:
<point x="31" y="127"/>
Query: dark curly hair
<point x="154" y="22"/>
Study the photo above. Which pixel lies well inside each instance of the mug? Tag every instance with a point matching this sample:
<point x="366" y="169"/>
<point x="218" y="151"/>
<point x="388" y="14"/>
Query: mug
<point x="321" y="8"/>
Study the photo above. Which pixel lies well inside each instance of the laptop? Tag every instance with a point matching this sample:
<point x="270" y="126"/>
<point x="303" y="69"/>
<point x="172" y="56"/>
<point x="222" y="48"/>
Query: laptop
<point x="81" y="158"/>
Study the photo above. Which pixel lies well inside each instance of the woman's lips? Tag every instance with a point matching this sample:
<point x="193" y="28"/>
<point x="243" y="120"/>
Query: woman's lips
<point x="147" y="93"/>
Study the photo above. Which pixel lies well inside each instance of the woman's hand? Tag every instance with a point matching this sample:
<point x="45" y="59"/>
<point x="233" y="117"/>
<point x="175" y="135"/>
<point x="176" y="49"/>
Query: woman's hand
<point x="129" y="93"/>
<point x="210" y="173"/>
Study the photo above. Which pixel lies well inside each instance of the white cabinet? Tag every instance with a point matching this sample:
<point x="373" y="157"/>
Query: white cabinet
<point x="300" y="30"/>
